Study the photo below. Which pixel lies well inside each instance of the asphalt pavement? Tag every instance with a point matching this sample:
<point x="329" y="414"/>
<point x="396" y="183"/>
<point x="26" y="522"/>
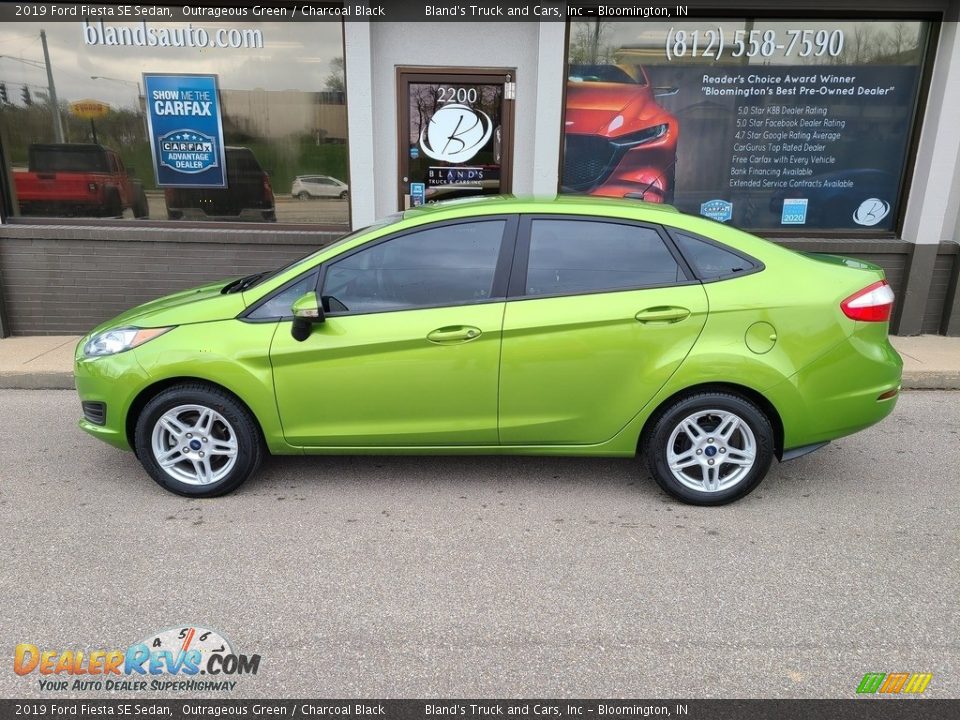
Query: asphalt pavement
<point x="495" y="577"/>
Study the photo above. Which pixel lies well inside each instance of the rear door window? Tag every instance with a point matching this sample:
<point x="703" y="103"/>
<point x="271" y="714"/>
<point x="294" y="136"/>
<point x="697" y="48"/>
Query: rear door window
<point x="571" y="256"/>
<point x="710" y="260"/>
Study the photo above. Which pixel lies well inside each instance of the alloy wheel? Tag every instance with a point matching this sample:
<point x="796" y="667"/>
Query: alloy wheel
<point x="711" y="450"/>
<point x="194" y="444"/>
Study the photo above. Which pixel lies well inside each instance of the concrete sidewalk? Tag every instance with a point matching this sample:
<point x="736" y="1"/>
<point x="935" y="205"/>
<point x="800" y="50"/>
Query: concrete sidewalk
<point x="930" y="362"/>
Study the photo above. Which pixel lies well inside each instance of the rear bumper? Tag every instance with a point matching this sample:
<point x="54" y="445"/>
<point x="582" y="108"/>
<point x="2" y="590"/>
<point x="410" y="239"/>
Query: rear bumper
<point x="851" y="387"/>
<point x="79" y="207"/>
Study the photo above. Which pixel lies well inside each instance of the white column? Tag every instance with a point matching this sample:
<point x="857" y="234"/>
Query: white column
<point x="359" y="81"/>
<point x="551" y="77"/>
<point x="934" y="200"/>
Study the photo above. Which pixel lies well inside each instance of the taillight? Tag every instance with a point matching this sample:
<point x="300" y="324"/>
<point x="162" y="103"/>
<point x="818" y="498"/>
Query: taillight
<point x="267" y="189"/>
<point x="872" y="304"/>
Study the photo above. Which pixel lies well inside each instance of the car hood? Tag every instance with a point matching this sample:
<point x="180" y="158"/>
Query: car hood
<point x="199" y="304"/>
<point x="592" y="106"/>
<point x="604" y="95"/>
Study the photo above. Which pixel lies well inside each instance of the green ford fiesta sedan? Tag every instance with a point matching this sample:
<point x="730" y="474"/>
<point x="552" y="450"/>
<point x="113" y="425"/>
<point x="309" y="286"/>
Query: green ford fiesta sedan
<point x="573" y="326"/>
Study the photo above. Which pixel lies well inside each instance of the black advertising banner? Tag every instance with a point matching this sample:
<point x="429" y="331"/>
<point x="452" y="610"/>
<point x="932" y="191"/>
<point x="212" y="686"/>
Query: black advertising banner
<point x="764" y="124"/>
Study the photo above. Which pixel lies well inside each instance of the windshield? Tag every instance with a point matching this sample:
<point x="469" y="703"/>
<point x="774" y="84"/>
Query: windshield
<point x="381" y="223"/>
<point x="606" y="73"/>
<point x="63" y="158"/>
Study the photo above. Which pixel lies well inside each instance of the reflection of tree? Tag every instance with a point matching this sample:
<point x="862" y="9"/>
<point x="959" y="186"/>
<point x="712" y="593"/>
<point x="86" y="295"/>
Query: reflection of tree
<point x="873" y="43"/>
<point x="31" y="124"/>
<point x="423" y="100"/>
<point x="335" y="80"/>
<point x="586" y="43"/>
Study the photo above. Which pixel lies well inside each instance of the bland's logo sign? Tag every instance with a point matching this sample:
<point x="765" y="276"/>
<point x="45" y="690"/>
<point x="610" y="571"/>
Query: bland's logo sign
<point x="871" y="212"/>
<point x="456" y="133"/>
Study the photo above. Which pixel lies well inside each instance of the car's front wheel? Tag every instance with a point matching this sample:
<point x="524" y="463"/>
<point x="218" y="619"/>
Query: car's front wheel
<point x="197" y="440"/>
<point x="710" y="448"/>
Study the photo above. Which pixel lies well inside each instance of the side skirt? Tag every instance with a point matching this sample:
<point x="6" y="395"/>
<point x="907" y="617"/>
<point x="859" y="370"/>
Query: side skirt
<point x="602" y="450"/>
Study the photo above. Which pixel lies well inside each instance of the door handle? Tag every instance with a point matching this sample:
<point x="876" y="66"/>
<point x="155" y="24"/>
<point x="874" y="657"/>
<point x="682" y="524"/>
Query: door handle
<point x="453" y="334"/>
<point x="663" y="314"/>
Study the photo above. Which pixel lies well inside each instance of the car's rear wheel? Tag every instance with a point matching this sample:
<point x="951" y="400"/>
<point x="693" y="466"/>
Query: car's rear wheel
<point x="343" y="195"/>
<point x="710" y="448"/>
<point x="303" y="195"/>
<point x="197" y="440"/>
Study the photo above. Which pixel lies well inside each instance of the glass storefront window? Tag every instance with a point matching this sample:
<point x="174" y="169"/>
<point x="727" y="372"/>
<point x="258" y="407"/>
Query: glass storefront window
<point x="766" y="124"/>
<point x="183" y="121"/>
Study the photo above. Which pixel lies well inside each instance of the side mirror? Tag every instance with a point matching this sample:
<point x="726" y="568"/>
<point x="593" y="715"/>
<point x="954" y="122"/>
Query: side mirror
<point x="307" y="312"/>
<point x="665" y="90"/>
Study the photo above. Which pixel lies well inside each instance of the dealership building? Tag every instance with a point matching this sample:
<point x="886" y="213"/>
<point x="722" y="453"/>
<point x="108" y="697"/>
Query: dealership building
<point x="142" y="155"/>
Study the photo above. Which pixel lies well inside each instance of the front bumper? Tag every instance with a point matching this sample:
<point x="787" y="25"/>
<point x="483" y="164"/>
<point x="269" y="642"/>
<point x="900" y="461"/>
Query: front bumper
<point x="114" y="381"/>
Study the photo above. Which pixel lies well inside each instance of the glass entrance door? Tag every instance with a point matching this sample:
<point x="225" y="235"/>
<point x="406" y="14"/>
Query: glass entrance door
<point x="456" y="134"/>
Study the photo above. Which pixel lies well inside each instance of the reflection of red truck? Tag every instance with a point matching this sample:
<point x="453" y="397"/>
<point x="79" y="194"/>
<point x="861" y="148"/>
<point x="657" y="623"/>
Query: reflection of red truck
<point x="70" y="180"/>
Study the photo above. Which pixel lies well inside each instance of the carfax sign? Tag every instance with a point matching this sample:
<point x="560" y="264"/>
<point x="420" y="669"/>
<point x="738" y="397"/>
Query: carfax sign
<point x="186" y="135"/>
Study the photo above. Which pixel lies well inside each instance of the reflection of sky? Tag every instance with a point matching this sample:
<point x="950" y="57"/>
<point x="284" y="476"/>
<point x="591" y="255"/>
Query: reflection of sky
<point x="294" y="56"/>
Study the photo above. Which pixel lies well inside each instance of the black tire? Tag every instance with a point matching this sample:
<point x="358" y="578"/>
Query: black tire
<point x="657" y="441"/>
<point x="249" y="441"/>
<point x="141" y="207"/>
<point x="303" y="195"/>
<point x="112" y="206"/>
<point x="343" y="195"/>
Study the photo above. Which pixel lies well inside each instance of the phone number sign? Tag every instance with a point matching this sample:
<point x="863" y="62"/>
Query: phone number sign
<point x="186" y="132"/>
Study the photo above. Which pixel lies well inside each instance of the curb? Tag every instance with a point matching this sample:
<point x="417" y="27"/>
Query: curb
<point x="931" y="380"/>
<point x="912" y="380"/>
<point x="36" y="381"/>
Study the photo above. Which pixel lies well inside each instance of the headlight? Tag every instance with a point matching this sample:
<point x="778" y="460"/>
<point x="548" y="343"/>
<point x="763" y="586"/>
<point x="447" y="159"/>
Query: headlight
<point x="641" y="136"/>
<point x="110" y="342"/>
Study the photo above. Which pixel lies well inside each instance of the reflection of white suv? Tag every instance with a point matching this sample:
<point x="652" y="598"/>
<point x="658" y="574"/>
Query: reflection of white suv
<point x="318" y="186"/>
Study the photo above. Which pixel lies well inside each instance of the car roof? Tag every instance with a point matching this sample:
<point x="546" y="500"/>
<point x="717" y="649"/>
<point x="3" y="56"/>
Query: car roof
<point x="512" y="203"/>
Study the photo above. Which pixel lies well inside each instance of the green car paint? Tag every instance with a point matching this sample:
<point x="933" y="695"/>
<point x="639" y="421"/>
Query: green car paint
<point x="567" y="375"/>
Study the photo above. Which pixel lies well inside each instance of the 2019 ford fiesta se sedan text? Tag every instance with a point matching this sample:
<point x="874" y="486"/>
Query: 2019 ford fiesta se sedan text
<point x="574" y="326"/>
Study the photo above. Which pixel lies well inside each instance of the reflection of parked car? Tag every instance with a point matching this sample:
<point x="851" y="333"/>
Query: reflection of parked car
<point x="248" y="195"/>
<point x="618" y="141"/>
<point x="306" y="187"/>
<point x="833" y="204"/>
<point x="77" y="180"/>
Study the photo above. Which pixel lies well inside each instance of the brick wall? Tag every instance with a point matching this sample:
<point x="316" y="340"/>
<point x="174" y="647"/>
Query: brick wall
<point x="58" y="279"/>
<point x="62" y="279"/>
